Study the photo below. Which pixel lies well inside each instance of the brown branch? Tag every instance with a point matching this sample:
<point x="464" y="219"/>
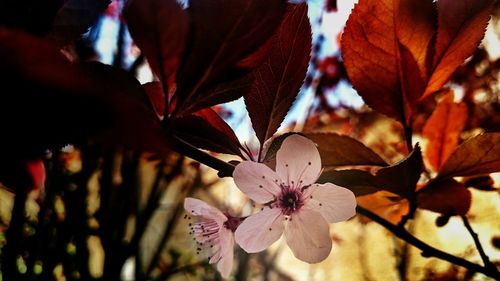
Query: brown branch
<point x="427" y="250"/>
<point x="225" y="169"/>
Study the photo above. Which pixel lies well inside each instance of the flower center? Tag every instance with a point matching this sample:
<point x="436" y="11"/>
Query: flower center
<point x="290" y="200"/>
<point x="232" y="222"/>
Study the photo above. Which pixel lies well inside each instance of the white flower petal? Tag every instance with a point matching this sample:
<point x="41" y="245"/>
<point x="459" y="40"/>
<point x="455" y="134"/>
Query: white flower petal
<point x="333" y="202"/>
<point x="225" y="264"/>
<point x="298" y="160"/>
<point x="197" y="207"/>
<point x="257" y="181"/>
<point x="260" y="230"/>
<point x="308" y="235"/>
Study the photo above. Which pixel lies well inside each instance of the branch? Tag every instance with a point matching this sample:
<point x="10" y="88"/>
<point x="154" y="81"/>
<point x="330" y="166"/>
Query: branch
<point x="427" y="250"/>
<point x="225" y="169"/>
<point x="484" y="257"/>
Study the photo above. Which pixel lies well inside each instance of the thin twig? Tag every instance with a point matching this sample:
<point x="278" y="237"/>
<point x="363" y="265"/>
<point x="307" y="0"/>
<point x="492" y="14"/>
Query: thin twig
<point x="177" y="211"/>
<point x="484" y="257"/>
<point x="427" y="250"/>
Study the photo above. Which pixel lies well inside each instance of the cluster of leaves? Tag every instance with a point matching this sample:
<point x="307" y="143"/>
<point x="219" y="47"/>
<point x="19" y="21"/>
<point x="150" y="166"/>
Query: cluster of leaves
<point x="415" y="47"/>
<point x="207" y="54"/>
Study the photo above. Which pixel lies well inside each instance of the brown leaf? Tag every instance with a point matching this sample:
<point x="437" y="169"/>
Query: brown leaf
<point x="461" y="26"/>
<point x="477" y="155"/>
<point x="401" y="178"/>
<point x="160" y="29"/>
<point x="447" y="197"/>
<point x="338" y="150"/>
<point x="207" y="130"/>
<point x="484" y="183"/>
<point x="443" y="129"/>
<point x="223" y="33"/>
<point x="383" y="28"/>
<point x="278" y="80"/>
<point x="358" y="181"/>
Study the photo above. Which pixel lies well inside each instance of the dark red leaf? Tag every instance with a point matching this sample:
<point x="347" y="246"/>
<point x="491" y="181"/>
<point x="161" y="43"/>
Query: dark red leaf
<point x="223" y="33"/>
<point x="388" y="28"/>
<point x="278" y="80"/>
<point x="156" y="97"/>
<point x="160" y="29"/>
<point x="338" y="150"/>
<point x="205" y="129"/>
<point x="447" y="197"/>
<point x="476" y="156"/>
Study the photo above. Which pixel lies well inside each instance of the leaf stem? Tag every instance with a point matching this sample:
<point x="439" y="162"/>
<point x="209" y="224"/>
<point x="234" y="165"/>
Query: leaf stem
<point x="427" y="250"/>
<point x="475" y="237"/>
<point x="225" y="169"/>
<point x="408" y="131"/>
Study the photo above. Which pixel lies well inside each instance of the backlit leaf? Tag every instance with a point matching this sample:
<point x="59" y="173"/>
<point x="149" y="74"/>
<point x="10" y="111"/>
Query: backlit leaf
<point x="414" y="47"/>
<point x="278" y="80"/>
<point x="461" y="26"/>
<point x="384" y="28"/>
<point x="443" y="129"/>
<point x="477" y="155"/>
<point x="383" y="205"/>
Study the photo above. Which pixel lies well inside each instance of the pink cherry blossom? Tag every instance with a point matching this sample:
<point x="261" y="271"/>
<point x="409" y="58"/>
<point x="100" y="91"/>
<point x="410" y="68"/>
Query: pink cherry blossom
<point x="294" y="204"/>
<point x="213" y="230"/>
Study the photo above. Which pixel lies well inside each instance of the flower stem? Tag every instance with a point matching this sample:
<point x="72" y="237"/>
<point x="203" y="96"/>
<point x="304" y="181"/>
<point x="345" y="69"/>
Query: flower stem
<point x="427" y="250"/>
